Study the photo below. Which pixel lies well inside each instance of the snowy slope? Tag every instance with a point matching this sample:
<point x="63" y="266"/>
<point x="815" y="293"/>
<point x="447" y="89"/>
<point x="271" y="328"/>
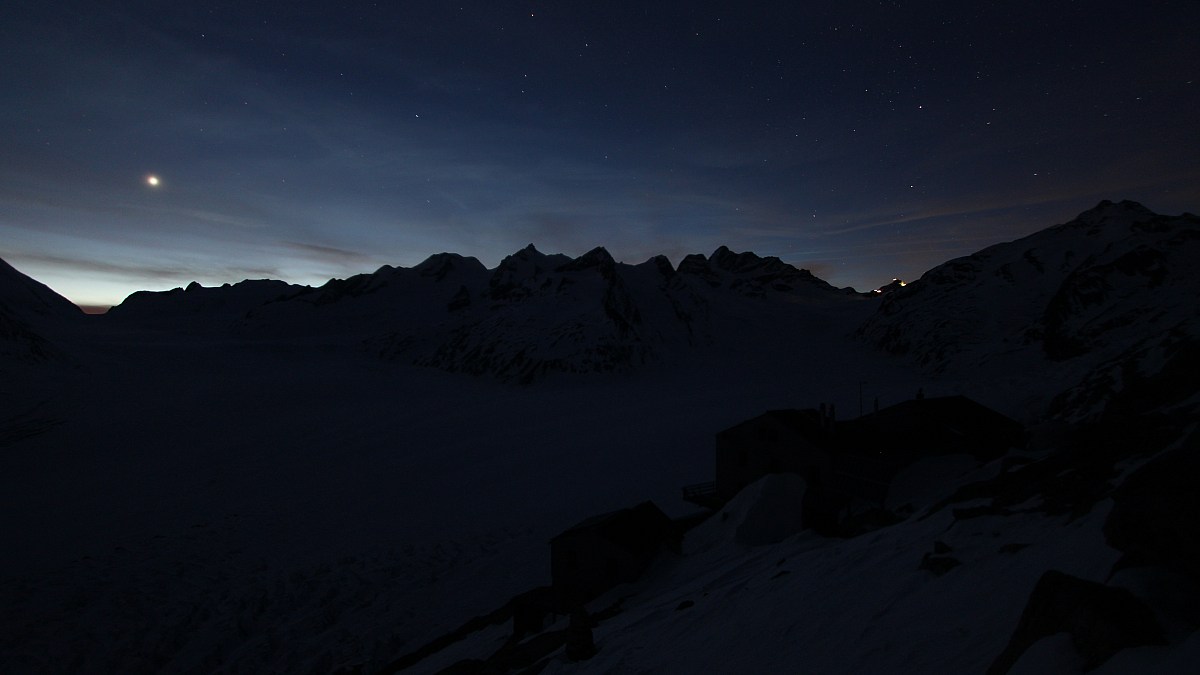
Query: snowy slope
<point x="30" y="300"/>
<point x="869" y="604"/>
<point x="1064" y="559"/>
<point x="30" y="313"/>
<point x="1077" y="301"/>
<point x="34" y="356"/>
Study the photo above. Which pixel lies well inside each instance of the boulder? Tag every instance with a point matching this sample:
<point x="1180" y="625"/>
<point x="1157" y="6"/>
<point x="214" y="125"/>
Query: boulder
<point x="1101" y="620"/>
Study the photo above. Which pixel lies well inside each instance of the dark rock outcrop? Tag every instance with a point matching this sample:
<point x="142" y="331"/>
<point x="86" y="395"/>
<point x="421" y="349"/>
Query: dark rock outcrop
<point x="1101" y="620"/>
<point x="580" y="645"/>
<point x="1156" y="511"/>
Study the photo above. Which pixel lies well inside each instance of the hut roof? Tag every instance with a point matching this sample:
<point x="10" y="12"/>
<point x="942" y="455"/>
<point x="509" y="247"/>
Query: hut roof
<point x="636" y="528"/>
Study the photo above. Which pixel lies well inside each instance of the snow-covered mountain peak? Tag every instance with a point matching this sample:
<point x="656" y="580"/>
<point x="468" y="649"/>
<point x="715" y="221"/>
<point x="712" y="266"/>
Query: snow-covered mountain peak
<point x="439" y="265"/>
<point x="1086" y="290"/>
<point x="662" y="266"/>
<point x="1124" y="212"/>
<point x="746" y="262"/>
<point x="531" y="255"/>
<point x="750" y="274"/>
<point x="598" y="258"/>
<point x="519" y="274"/>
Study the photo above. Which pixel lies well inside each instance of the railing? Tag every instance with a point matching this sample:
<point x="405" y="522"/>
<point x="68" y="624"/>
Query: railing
<point x="700" y="493"/>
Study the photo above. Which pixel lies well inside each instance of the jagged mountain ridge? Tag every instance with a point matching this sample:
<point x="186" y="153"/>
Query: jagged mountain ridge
<point x="543" y="313"/>
<point x="533" y="314"/>
<point x="1106" y="297"/>
<point x="197" y="308"/>
<point x="1087" y="297"/>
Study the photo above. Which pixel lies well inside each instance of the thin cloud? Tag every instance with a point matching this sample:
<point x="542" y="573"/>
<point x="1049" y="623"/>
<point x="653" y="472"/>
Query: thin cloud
<point x="330" y="254"/>
<point x="86" y="266"/>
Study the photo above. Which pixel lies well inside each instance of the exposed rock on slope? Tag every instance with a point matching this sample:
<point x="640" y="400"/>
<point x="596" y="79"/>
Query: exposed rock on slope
<point x="1101" y="620"/>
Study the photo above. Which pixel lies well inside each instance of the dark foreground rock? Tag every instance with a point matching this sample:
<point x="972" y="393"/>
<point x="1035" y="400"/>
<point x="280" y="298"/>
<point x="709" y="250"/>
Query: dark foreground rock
<point x="1101" y="620"/>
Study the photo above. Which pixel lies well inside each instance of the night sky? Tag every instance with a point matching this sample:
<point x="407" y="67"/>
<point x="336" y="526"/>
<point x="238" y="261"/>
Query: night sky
<point x="308" y="140"/>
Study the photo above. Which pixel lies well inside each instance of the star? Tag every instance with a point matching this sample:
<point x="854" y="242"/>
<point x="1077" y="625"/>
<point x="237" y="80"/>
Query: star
<point x="152" y="180"/>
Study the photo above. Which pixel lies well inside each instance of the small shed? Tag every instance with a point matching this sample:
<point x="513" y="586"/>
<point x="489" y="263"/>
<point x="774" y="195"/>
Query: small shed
<point x="777" y="441"/>
<point x="606" y="550"/>
<point x="935" y="426"/>
<point x="871" y="450"/>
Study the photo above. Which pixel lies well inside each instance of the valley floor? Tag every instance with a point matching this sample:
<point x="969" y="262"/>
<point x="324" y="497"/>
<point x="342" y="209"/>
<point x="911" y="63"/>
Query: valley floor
<point x="193" y="506"/>
<point x="189" y="506"/>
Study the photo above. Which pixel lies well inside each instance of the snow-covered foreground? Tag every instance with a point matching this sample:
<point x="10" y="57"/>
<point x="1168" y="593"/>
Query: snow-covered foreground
<point x="198" y="506"/>
<point x="862" y="605"/>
